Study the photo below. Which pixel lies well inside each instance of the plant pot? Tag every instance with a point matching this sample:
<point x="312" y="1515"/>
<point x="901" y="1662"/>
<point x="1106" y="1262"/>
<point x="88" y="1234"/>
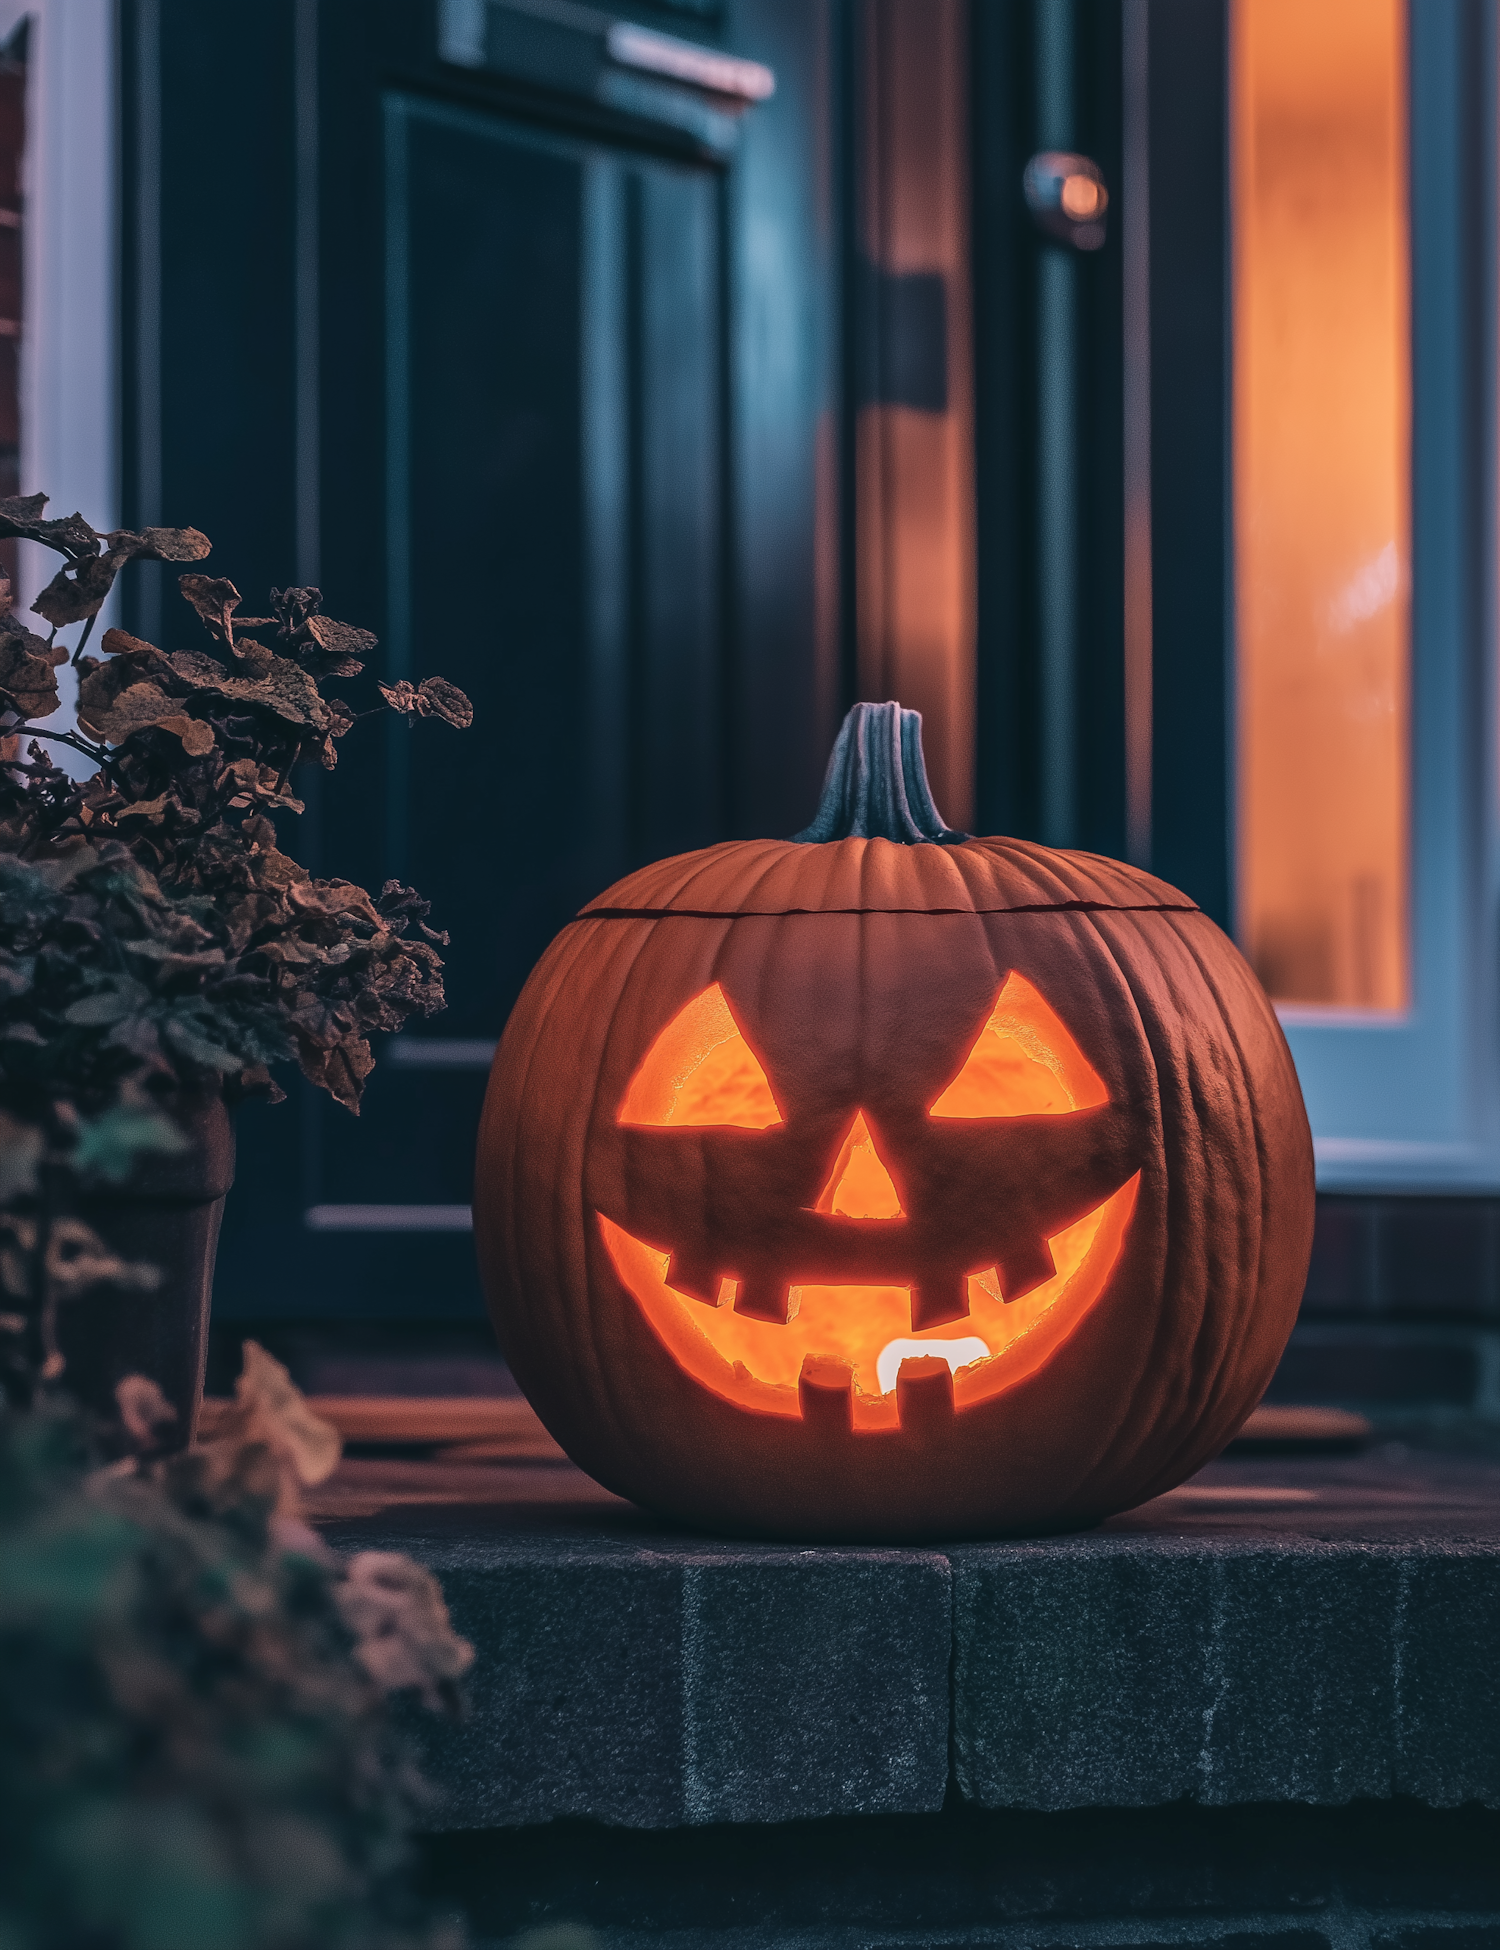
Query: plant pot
<point x="168" y="1216"/>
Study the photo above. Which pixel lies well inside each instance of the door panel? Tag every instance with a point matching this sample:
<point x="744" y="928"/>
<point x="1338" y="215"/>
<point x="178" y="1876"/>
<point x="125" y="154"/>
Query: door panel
<point x="554" y="378"/>
<point x="673" y="230"/>
<point x="505" y="440"/>
<point x="487" y="547"/>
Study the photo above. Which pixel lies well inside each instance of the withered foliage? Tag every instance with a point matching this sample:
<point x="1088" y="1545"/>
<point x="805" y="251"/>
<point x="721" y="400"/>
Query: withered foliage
<point x="209" y="950"/>
<point x="194" y="1741"/>
<point x="193" y="1746"/>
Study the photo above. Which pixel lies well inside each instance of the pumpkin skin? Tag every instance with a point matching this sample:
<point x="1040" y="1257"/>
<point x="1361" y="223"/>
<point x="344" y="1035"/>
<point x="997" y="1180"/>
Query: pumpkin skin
<point x="858" y="971"/>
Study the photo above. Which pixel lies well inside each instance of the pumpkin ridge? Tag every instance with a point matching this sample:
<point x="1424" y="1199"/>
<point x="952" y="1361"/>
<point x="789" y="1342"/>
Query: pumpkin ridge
<point x="737" y="876"/>
<point x="1149" y="1020"/>
<point x="583" y="1330"/>
<point x="1265" y="1151"/>
<point x="1116" y="1429"/>
<point x="782" y="913"/>
<point x="554" y="971"/>
<point x="765" y="871"/>
<point x="579" y="1332"/>
<point x="1231" y="1351"/>
<point x="754" y="860"/>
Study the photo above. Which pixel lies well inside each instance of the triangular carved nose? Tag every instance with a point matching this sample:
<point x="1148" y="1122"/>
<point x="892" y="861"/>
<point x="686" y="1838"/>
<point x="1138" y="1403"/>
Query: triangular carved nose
<point x="859" y="1186"/>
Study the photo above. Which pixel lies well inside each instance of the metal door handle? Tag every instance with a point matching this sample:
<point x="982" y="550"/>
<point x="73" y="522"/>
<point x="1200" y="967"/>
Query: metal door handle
<point x="1067" y="197"/>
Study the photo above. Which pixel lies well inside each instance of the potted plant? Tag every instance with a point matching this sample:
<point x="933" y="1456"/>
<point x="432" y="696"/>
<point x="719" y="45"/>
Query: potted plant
<point x="158" y="948"/>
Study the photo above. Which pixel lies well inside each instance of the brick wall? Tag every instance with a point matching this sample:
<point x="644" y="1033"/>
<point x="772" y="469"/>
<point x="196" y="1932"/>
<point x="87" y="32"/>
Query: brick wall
<point x="1402" y="1309"/>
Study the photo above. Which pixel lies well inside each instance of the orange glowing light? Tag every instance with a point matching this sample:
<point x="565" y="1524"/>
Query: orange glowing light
<point x="1023" y="1063"/>
<point x="848" y="1340"/>
<point x="1080" y="197"/>
<point x="700" y="1070"/>
<point x="757" y="1363"/>
<point x="859" y="1186"/>
<point x="1322" y="515"/>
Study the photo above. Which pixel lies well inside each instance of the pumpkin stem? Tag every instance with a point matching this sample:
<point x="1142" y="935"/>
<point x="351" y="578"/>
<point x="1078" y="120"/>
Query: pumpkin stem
<point x="876" y="784"/>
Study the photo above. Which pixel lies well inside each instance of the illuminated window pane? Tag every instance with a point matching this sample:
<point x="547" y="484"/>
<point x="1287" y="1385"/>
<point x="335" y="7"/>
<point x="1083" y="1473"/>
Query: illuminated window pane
<point x="1321" y="411"/>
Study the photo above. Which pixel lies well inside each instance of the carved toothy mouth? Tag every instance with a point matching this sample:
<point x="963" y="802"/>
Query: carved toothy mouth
<point x="855" y="1341"/>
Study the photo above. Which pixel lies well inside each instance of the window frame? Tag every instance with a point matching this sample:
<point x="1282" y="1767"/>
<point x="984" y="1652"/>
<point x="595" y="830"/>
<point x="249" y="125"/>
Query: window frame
<point x="1412" y="1101"/>
<point x="70" y="331"/>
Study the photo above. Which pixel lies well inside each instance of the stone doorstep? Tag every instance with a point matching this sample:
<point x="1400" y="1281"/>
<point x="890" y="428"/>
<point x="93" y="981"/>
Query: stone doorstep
<point x="1373" y="1876"/>
<point x="1302" y="1631"/>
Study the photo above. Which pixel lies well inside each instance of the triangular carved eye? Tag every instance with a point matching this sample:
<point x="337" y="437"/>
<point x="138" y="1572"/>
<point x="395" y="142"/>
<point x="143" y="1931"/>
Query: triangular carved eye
<point x="700" y="1070"/>
<point x="1024" y="1063"/>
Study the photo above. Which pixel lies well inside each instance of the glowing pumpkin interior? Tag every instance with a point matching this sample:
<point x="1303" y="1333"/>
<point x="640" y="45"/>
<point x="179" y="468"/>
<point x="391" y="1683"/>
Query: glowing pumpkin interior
<point x="1024" y="1062"/>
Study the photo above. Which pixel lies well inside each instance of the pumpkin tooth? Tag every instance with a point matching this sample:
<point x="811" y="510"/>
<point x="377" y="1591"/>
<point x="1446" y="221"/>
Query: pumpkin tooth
<point x="694" y="1275"/>
<point x="763" y="1298"/>
<point x="825" y="1391"/>
<point x="924" y="1395"/>
<point x="943" y="1298"/>
<point x="1024" y="1268"/>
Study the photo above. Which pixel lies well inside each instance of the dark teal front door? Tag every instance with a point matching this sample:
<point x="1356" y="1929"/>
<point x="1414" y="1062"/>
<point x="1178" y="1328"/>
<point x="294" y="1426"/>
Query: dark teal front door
<point x="523" y="358"/>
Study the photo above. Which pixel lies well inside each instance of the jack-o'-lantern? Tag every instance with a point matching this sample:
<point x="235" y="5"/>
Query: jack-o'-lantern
<point x="886" y="1183"/>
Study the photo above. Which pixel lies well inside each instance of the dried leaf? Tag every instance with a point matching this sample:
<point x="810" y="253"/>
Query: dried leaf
<point x="434" y="697"/>
<point x="152" y="811"/>
<point x="112" y="702"/>
<point x="339" y="649"/>
<point x="341" y="1070"/>
<point x="270" y="1410"/>
<point x="252" y="657"/>
<point x="286" y="689"/>
<point x="395" y="1609"/>
<point x="169" y="544"/>
<point x="437" y="698"/>
<point x="294" y="606"/>
<point x="255" y="1080"/>
<point x="216" y="599"/>
<point x="197" y="737"/>
<point x="100" y="685"/>
<point x="28" y="681"/>
<point x="21" y="514"/>
<point x="143" y="1410"/>
<point x="78" y="591"/>
<point x="119" y="643"/>
<point x="400" y="696"/>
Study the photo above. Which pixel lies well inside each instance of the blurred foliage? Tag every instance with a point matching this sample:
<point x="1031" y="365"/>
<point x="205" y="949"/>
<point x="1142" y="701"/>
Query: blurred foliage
<point x="193" y="1751"/>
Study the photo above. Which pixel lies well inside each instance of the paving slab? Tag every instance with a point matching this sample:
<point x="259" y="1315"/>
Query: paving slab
<point x="653" y="1683"/>
<point x="1297" y="1630"/>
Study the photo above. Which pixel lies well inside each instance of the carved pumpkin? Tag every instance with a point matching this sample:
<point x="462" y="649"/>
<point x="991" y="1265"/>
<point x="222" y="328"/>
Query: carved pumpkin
<point x="886" y="1183"/>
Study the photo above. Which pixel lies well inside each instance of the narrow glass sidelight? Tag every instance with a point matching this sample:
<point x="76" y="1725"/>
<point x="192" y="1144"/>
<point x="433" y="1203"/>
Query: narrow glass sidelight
<point x="1322" y="405"/>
